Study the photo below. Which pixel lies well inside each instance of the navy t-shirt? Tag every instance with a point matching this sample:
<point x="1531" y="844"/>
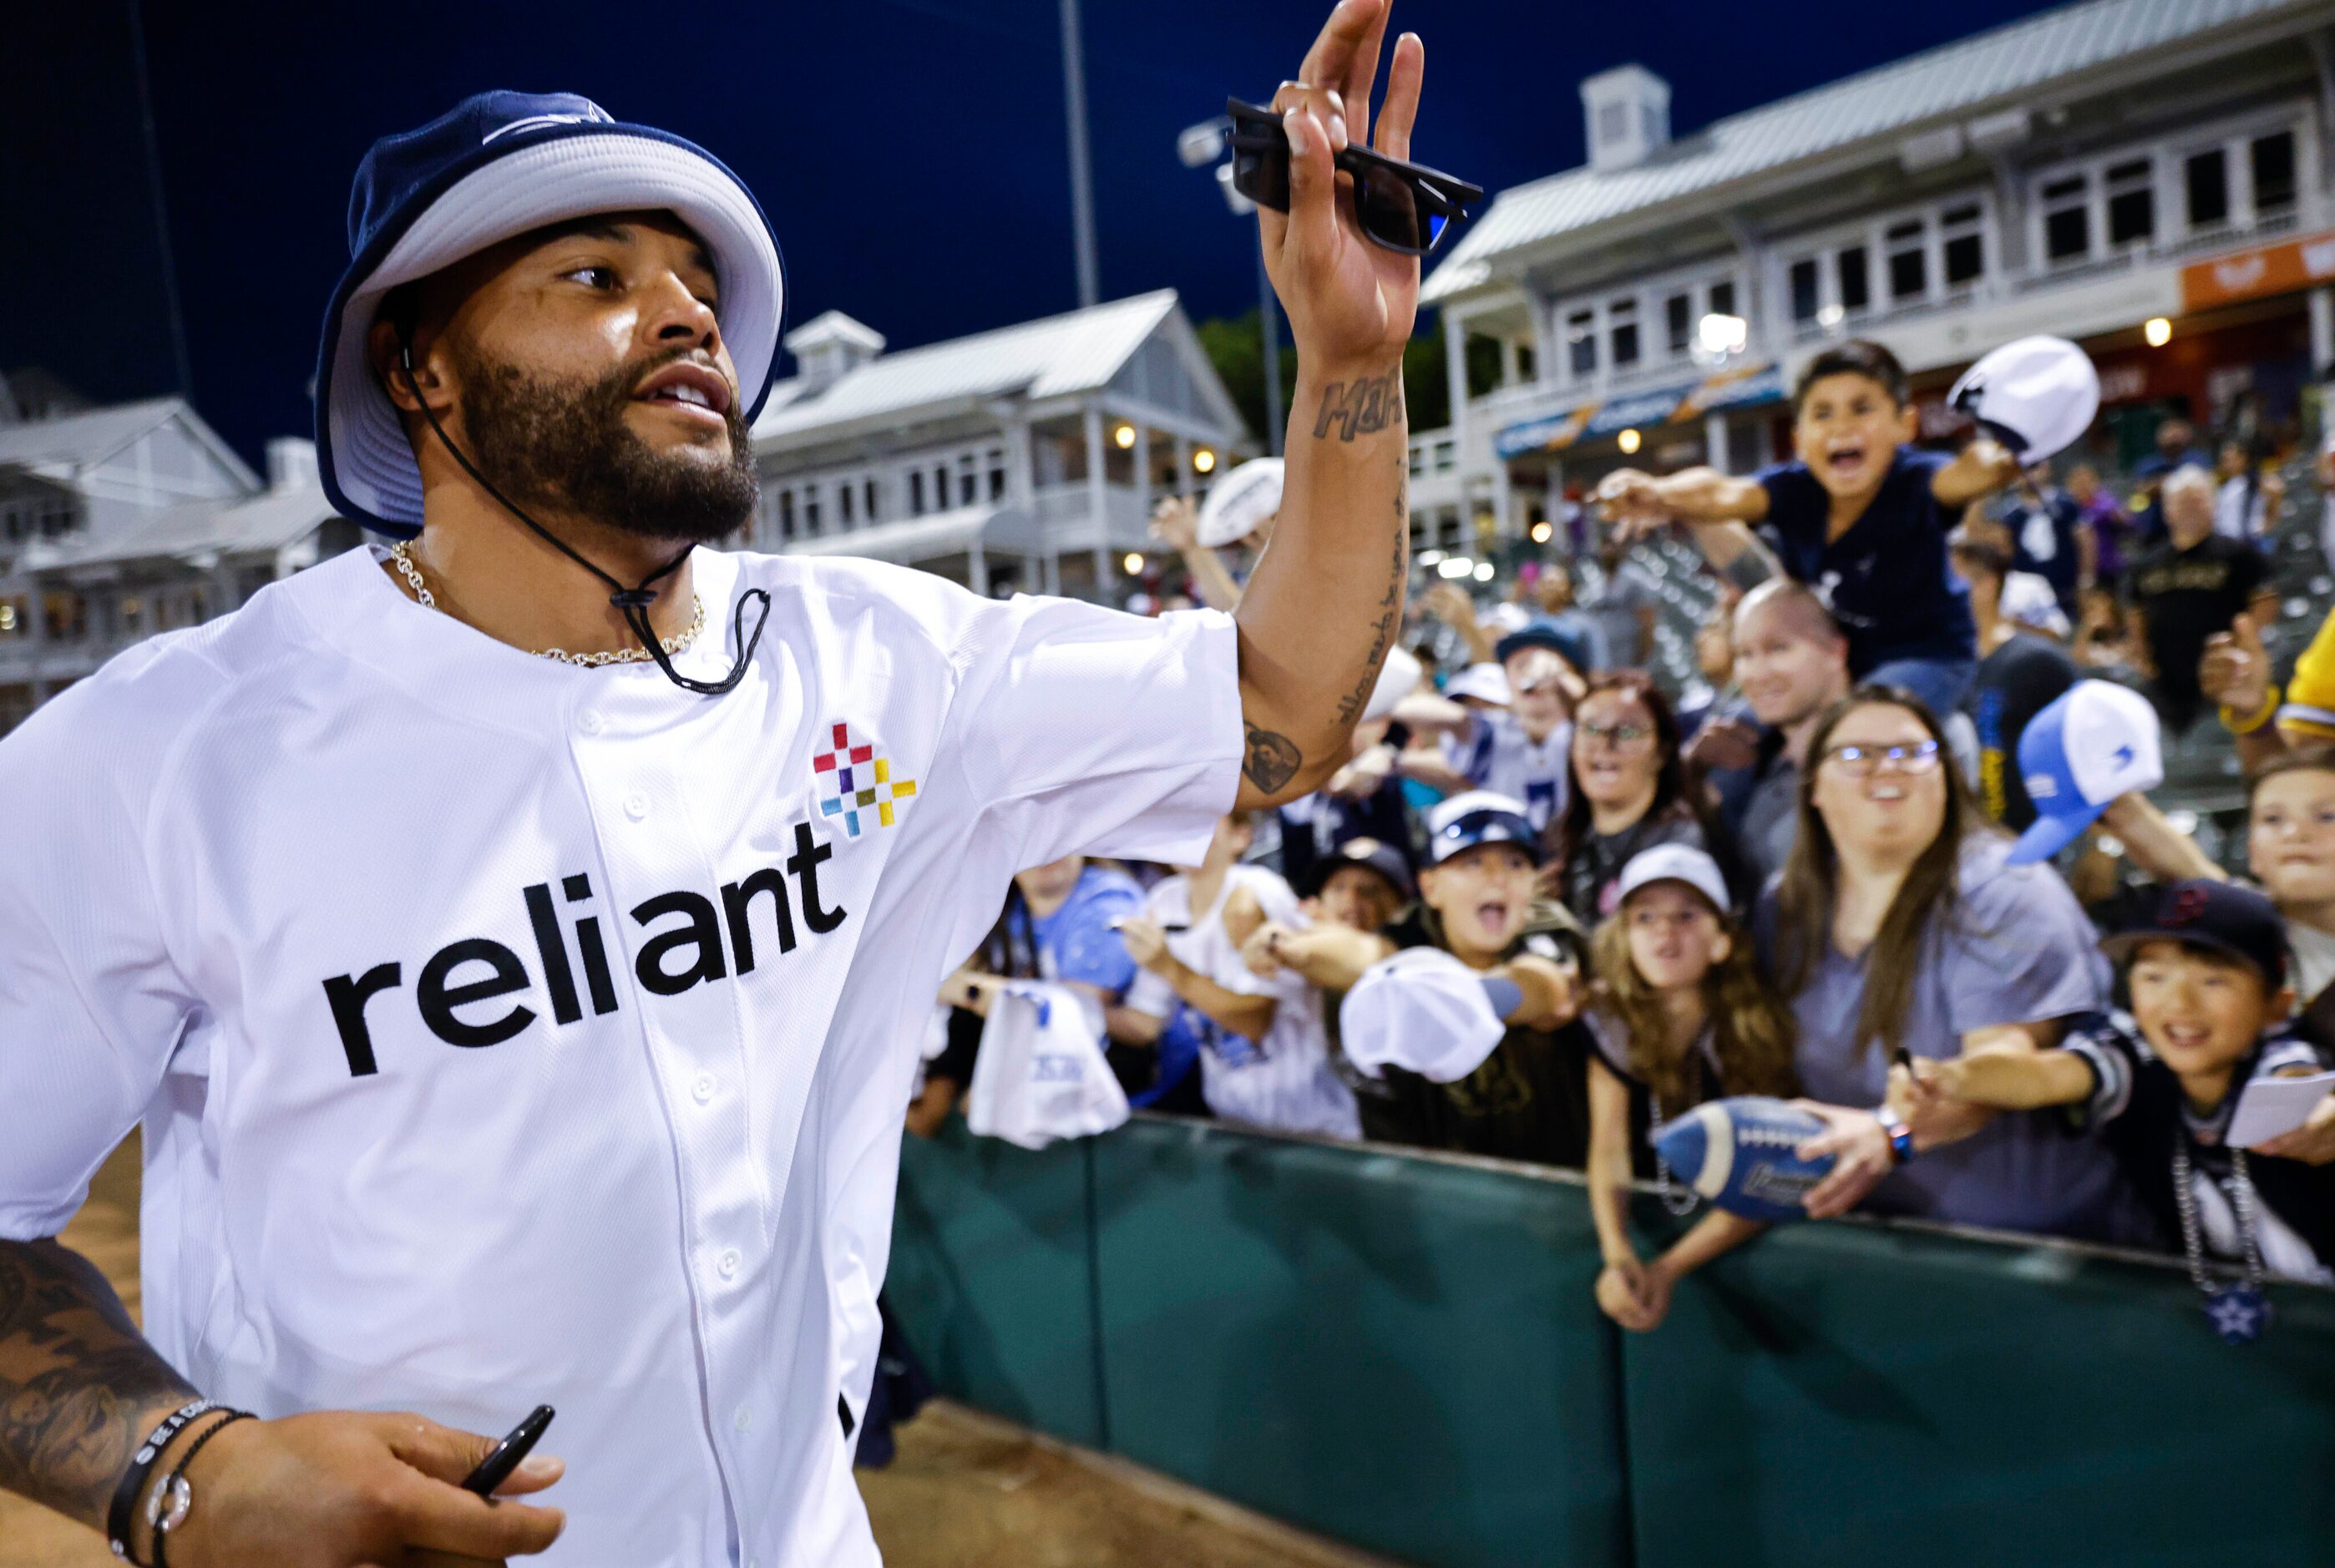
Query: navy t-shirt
<point x="1886" y="578"/>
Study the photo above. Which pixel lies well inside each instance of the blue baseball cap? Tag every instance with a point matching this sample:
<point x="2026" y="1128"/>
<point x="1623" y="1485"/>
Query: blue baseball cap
<point x="1480" y="817"/>
<point x="1541" y="631"/>
<point x="495" y="166"/>
<point x="2093" y="743"/>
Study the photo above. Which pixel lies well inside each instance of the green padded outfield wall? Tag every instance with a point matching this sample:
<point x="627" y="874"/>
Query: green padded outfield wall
<point x="1382" y="1348"/>
<point x="1400" y="1352"/>
<point x="991" y="1275"/>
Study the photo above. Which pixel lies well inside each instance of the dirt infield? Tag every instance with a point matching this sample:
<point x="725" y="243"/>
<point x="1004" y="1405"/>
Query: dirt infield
<point x="965" y="1491"/>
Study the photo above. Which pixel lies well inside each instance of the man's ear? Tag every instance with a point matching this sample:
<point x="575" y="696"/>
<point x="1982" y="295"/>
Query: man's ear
<point x="406" y="368"/>
<point x="1909" y="421"/>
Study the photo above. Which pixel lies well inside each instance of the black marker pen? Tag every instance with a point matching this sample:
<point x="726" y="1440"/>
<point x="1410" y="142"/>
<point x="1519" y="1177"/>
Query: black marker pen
<point x="496" y="1467"/>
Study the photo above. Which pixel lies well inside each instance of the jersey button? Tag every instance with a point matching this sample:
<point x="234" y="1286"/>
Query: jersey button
<point x="590" y="721"/>
<point x="636" y="806"/>
<point x="704" y="1087"/>
<point x="731" y="1263"/>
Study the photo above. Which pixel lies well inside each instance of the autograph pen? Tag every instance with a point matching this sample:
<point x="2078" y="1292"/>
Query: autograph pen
<point x="496" y="1467"/>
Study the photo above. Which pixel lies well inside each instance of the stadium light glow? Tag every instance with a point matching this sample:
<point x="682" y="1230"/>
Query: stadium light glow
<point x="1430" y="558"/>
<point x="1134" y="564"/>
<point x="1543" y="531"/>
<point x="1455" y="566"/>
<point x="1204" y="462"/>
<point x="1629" y="442"/>
<point x="2158" y="331"/>
<point x="1125" y="436"/>
<point x="1483" y="571"/>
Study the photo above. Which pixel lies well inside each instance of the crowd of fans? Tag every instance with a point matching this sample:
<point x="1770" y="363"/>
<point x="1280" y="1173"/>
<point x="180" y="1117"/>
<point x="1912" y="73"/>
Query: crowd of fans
<point x="1550" y="904"/>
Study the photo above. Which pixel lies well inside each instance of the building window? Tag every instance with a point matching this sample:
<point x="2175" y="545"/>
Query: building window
<point x="843" y="502"/>
<point x="1581" y="342"/>
<point x="2132" y="202"/>
<point x="1722" y="299"/>
<point x="868" y="492"/>
<point x="1856" y="289"/>
<point x="1622" y="320"/>
<point x="2067" y="219"/>
<point x="1528" y="366"/>
<point x="1678" y="323"/>
<point x="997" y="473"/>
<point x="916" y="492"/>
<point x="1804" y="301"/>
<point x="810" y="509"/>
<point x="940" y="486"/>
<point x="966" y="491"/>
<point x="1909" y="259"/>
<point x="1965" y="245"/>
<point x="2273" y="169"/>
<point x="1446" y="454"/>
<point x="786" y="514"/>
<point x="2206" y="178"/>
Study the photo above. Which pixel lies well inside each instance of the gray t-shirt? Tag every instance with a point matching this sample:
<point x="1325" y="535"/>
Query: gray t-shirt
<point x="2017" y="950"/>
<point x="1770" y="823"/>
<point x="1615" y="604"/>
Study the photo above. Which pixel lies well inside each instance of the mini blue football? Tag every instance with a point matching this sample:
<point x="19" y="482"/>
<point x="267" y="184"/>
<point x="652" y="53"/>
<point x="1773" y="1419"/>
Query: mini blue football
<point x="1738" y="1154"/>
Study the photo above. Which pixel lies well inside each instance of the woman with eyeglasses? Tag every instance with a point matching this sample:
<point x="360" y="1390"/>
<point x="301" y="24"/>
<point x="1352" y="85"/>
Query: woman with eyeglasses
<point x="1627" y="793"/>
<point x="1897" y="930"/>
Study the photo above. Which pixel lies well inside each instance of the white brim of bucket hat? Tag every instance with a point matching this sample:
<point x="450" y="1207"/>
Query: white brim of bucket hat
<point x="1239" y="502"/>
<point x="600" y="168"/>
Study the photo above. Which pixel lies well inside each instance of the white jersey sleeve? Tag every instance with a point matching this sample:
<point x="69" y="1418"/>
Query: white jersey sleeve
<point x="1092" y="731"/>
<point x="91" y="1007"/>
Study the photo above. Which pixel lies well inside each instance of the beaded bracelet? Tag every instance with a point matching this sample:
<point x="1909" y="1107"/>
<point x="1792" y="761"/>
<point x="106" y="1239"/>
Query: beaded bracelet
<point x="142" y="1466"/>
<point x="164" y="1517"/>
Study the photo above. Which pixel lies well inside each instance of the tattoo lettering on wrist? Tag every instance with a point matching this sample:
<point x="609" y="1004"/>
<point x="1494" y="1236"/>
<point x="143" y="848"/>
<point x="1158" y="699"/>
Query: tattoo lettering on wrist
<point x="1273" y="759"/>
<point x="78" y="1386"/>
<point x="1350" y="706"/>
<point x="1361" y="407"/>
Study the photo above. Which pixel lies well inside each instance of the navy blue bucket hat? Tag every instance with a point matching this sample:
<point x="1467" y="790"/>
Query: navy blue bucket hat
<point x="497" y="165"/>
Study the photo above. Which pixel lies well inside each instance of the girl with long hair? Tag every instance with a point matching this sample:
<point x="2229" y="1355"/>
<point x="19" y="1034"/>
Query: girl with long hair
<point x="1627" y="794"/>
<point x="1900" y="928"/>
<point x="1679" y="1014"/>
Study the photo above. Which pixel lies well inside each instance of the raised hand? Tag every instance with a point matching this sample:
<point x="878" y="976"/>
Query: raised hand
<point x="1351" y="302"/>
<point x="1175" y="523"/>
<point x="1630" y="502"/>
<point x="2235" y="670"/>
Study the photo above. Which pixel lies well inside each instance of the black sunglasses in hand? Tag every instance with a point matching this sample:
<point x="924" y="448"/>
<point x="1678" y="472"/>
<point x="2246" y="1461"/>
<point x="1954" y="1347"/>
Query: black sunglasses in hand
<point x="1401" y="206"/>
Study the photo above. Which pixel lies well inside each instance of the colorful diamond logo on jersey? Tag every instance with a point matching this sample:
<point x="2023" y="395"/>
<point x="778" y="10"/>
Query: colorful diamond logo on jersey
<point x="854" y="783"/>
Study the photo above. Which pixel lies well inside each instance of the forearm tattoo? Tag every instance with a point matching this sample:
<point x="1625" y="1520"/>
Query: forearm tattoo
<point x="1273" y="759"/>
<point x="78" y="1385"/>
<point x="1362" y="407"/>
<point x="1350" y="706"/>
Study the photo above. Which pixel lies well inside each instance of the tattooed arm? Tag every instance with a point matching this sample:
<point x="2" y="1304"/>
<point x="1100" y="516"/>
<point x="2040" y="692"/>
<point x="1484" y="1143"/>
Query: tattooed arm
<point x="1326" y="598"/>
<point x="79" y="1389"/>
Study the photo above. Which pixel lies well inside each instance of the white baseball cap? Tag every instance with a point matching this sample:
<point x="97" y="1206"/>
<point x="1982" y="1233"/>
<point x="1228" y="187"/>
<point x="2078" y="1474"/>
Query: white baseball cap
<point x="1423" y="1010"/>
<point x="1485" y="682"/>
<point x="2027" y="599"/>
<point x="2095" y="741"/>
<point x="2035" y="395"/>
<point x="1674" y="863"/>
<point x="1239" y="502"/>
<point x="1398" y="679"/>
<point x="1475" y="816"/>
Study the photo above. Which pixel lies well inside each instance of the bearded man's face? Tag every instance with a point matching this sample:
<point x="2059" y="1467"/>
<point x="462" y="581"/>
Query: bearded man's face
<point x="589" y="378"/>
<point x="568" y="445"/>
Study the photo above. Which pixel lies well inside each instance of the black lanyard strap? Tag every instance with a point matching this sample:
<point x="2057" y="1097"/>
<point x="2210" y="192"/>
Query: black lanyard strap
<point x="633" y="603"/>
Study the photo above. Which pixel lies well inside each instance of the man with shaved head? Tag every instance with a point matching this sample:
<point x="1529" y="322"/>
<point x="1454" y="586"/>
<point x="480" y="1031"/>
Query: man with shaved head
<point x="2187" y="589"/>
<point x="1791" y="662"/>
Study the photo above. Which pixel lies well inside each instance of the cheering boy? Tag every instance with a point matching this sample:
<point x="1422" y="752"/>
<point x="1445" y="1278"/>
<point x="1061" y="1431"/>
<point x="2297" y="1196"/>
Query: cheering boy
<point x="2210" y="1003"/>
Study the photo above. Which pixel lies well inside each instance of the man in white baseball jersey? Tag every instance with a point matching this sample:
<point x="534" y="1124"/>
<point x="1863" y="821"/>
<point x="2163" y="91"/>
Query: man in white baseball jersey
<point x="515" y="1019"/>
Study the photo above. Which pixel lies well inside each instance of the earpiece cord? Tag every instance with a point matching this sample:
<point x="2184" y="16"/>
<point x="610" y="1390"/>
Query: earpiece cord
<point x="632" y="603"/>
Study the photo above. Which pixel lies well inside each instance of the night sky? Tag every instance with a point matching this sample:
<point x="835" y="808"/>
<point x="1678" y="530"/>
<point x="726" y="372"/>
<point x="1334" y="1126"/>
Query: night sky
<point x="910" y="153"/>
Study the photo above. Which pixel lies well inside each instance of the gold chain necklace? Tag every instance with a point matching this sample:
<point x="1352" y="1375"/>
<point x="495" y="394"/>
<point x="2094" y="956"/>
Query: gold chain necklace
<point x="678" y="643"/>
